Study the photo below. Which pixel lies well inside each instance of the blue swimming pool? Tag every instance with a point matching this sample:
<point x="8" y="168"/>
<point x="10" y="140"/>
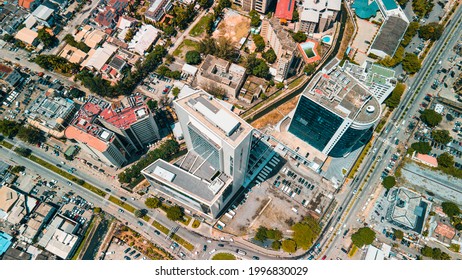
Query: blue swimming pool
<point x="364" y="9"/>
<point x="326" y="39"/>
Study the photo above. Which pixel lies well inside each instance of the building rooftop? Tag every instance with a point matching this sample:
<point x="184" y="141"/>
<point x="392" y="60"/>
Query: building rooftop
<point x="409" y="209"/>
<point x="16" y="254"/>
<point x="190" y="181"/>
<point x="285" y="9"/>
<point x="390" y="34"/>
<point x="59" y="238"/>
<point x="209" y="112"/>
<point x="287" y="42"/>
<point x="42" y="12"/>
<point x="84" y="129"/>
<point x="73" y="54"/>
<point x="5" y="242"/>
<point x="339" y="92"/>
<point x="432" y="161"/>
<point x="222" y="71"/>
<point x="123" y="117"/>
<point x="50" y="112"/>
<point x="100" y="56"/>
<point x="8" y="198"/>
<point x="26" y="35"/>
<point x="25" y="3"/>
<point x="445" y="230"/>
<point x="143" y="39"/>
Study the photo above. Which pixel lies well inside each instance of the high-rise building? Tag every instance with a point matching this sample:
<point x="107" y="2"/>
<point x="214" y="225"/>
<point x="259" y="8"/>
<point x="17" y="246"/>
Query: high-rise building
<point x="214" y="169"/>
<point x="260" y="6"/>
<point x="111" y="132"/>
<point x="335" y="113"/>
<point x="282" y="43"/>
<point x="318" y="15"/>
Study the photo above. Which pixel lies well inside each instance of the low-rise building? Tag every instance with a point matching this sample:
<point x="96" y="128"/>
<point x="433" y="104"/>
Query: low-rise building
<point x="27" y="36"/>
<point x="146" y="36"/>
<point x="28" y="4"/>
<point x="217" y="72"/>
<point x="8" y="198"/>
<point x="37" y="221"/>
<point x="97" y="58"/>
<point x="5" y="242"/>
<point x="51" y="114"/>
<point x="60" y="237"/>
<point x="44" y="15"/>
<point x="425" y="159"/>
<point x="73" y="54"/>
<point x="389" y="36"/>
<point x="158" y="9"/>
<point x="285" y="9"/>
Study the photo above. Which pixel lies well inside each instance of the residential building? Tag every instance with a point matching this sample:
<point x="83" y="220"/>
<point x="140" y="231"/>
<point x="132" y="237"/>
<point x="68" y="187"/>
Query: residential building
<point x="27" y="36"/>
<point x="214" y="169"/>
<point x="391" y="32"/>
<point x="285" y="9"/>
<point x="73" y="54"/>
<point x="97" y="58"/>
<point x="252" y="89"/>
<point x="378" y="79"/>
<point x="5" y="242"/>
<point x="132" y="121"/>
<point x="28" y="4"/>
<point x="318" y="15"/>
<point x="44" y="15"/>
<point x="260" y="6"/>
<point x="51" y="114"/>
<point x="282" y="43"/>
<point x="8" y="198"/>
<point x="441" y="230"/>
<point x="112" y="71"/>
<point x="36" y="222"/>
<point x="335" y="114"/>
<point x="100" y="143"/>
<point x="217" y="72"/>
<point x="110" y="15"/>
<point x="158" y="9"/>
<point x="409" y="210"/>
<point x="143" y="39"/>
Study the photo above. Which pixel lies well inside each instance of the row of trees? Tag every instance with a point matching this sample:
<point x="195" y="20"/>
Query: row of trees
<point x="394" y="98"/>
<point x="174" y="213"/>
<point x="27" y="134"/>
<point x="56" y="63"/>
<point x="46" y="38"/>
<point x="222" y="48"/>
<point x="126" y="86"/>
<point x="132" y="175"/>
<point x="264" y="233"/>
<point x="434" y="253"/>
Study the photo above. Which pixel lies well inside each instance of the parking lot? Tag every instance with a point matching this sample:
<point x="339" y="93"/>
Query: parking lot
<point x="119" y="250"/>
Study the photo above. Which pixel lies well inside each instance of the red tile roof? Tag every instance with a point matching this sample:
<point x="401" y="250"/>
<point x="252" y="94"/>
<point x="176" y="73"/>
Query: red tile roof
<point x="285" y="9"/>
<point x="72" y="132"/>
<point x="25" y="3"/>
<point x="427" y="159"/>
<point x="445" y="230"/>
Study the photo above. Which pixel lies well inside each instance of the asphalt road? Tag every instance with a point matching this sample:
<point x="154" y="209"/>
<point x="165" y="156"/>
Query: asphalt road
<point x="392" y="130"/>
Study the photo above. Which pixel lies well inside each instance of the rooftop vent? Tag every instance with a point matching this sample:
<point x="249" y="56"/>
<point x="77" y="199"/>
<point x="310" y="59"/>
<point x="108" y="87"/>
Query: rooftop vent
<point x="370" y="109"/>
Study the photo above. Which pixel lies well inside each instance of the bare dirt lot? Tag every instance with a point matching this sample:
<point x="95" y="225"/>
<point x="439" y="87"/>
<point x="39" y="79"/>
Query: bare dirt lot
<point x="276" y="115"/>
<point x="234" y="26"/>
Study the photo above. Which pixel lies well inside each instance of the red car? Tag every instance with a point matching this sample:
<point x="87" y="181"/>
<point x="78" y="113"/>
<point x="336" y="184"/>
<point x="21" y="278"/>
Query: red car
<point x="323" y="258"/>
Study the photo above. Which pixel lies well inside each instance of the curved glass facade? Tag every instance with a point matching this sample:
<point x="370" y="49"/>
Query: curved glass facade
<point x="349" y="140"/>
<point x="314" y="124"/>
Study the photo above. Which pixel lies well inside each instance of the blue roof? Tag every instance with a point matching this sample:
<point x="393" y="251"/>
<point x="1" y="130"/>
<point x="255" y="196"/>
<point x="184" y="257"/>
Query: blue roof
<point x="365" y="10"/>
<point x="389" y="4"/>
<point x="5" y="242"/>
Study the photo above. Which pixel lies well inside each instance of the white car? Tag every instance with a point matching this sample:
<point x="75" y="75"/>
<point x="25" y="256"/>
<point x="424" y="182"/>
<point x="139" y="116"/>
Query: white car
<point x="213" y="251"/>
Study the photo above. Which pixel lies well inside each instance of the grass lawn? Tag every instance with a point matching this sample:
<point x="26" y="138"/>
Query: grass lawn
<point x="6" y="145"/>
<point x="196" y="224"/>
<point x="187" y="220"/>
<point x="122" y="204"/>
<point x="82" y="243"/>
<point x="199" y="28"/>
<point x="223" y="256"/>
<point x="310" y="53"/>
<point x="184" y="47"/>
<point x="353" y="251"/>
<point x="146" y="218"/>
<point x="160" y="227"/>
<point x="183" y="242"/>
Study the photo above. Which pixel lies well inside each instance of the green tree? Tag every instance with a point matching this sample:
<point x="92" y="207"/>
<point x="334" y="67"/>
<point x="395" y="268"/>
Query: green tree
<point x="389" y="182"/>
<point x="274" y="234"/>
<point x="395" y="60"/>
<point x="204" y="3"/>
<point x="97" y="210"/>
<point x="9" y="128"/>
<point x="261" y="234"/>
<point x="169" y="30"/>
<point x="299" y="37"/>
<point x="426" y="251"/>
<point x="441" y="136"/>
<point x="257" y="67"/>
<point x="269" y="56"/>
<point x="364" y="236"/>
<point x="129" y="35"/>
<point x="310" y="68"/>
<point x="138" y="213"/>
<point x="25" y="152"/>
<point x="445" y="160"/>
<point x="152" y="202"/>
<point x="295" y="16"/>
<point x="410" y="33"/>
<point x="289" y="246"/>
<point x="276" y="245"/>
<point x="259" y="42"/>
<point x="46" y="38"/>
<point x="431" y="31"/>
<point x="393" y="100"/>
<point x="280" y="85"/>
<point x="430" y="117"/>
<point x="411" y="63"/>
<point x="254" y="18"/>
<point x="30" y="135"/>
<point x="193" y="57"/>
<point x="175" y="213"/>
<point x="18" y="168"/>
<point x="152" y="104"/>
<point x="422" y="147"/>
<point x="175" y="91"/>
<point x="450" y="208"/>
<point x="399" y="234"/>
<point x="306" y="232"/>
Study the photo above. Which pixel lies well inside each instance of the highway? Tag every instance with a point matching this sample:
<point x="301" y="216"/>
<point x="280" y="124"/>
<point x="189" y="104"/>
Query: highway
<point x="419" y="85"/>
